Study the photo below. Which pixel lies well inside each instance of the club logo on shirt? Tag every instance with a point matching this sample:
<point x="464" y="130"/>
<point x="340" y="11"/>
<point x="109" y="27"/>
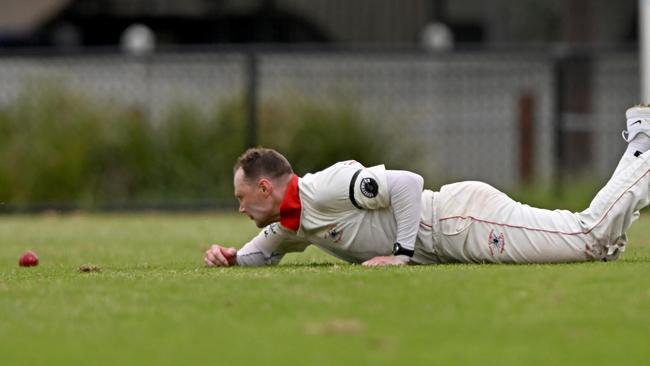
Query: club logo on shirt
<point x="369" y="187"/>
<point x="496" y="243"/>
<point x="333" y="234"/>
<point x="271" y="230"/>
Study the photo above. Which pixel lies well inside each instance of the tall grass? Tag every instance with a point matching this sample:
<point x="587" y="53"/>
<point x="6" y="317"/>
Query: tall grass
<point x="59" y="146"/>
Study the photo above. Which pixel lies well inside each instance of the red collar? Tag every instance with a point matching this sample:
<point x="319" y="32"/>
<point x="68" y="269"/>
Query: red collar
<point x="290" y="207"/>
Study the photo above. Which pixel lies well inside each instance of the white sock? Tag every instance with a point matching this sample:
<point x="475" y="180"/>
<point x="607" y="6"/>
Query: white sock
<point x="639" y="145"/>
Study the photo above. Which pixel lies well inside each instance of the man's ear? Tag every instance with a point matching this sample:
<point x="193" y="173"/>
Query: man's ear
<point x="265" y="186"/>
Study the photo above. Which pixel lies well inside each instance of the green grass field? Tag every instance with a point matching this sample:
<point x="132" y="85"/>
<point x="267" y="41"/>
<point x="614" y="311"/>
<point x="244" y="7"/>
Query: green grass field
<point x="155" y="303"/>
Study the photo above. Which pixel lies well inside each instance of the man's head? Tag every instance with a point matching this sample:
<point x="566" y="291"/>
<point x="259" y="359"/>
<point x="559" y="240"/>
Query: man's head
<point x="261" y="177"/>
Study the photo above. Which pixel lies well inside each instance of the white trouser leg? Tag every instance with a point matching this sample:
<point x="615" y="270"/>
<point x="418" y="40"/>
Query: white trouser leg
<point x="625" y="161"/>
<point x="617" y="205"/>
<point x="478" y="223"/>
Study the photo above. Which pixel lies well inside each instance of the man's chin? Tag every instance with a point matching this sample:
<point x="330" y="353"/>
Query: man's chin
<point x="262" y="224"/>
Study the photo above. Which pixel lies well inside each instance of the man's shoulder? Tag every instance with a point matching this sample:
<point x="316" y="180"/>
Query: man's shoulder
<point x="334" y="170"/>
<point x="330" y="185"/>
<point x="346" y="184"/>
<point x="347" y="164"/>
<point x="341" y="173"/>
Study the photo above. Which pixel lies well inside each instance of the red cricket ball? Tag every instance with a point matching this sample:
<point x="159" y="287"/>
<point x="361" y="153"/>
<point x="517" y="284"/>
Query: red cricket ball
<point x="29" y="259"/>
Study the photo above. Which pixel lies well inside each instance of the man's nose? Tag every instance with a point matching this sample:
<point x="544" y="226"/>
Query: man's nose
<point x="242" y="209"/>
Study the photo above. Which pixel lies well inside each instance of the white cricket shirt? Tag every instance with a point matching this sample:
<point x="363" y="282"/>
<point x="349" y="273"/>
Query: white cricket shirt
<point x="344" y="210"/>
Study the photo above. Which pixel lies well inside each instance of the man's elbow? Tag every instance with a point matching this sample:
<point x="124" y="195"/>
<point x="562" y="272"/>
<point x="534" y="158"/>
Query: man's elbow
<point x="416" y="180"/>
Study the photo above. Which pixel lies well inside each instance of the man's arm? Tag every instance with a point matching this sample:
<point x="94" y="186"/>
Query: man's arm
<point x="267" y="248"/>
<point x="406" y="199"/>
<point x="405" y="191"/>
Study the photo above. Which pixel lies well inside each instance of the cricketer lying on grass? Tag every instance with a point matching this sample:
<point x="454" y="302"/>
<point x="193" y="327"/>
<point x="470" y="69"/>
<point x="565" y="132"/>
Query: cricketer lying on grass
<point x="379" y="217"/>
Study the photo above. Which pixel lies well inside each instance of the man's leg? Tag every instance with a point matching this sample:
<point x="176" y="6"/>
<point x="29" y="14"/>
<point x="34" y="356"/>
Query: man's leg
<point x="617" y="205"/>
<point x="480" y="224"/>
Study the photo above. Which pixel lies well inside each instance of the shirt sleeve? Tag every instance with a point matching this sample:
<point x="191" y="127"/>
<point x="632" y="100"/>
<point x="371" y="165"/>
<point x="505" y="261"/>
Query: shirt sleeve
<point x="405" y="191"/>
<point x="270" y="246"/>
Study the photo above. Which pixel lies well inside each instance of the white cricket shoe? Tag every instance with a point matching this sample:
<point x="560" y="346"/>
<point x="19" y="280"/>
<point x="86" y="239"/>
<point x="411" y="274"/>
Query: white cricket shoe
<point x="638" y="121"/>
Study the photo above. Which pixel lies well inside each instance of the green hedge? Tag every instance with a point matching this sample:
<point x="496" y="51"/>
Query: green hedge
<point x="58" y="146"/>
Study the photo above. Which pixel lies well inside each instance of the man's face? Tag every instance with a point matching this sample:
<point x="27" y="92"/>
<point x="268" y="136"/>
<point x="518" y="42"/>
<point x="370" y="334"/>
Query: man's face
<point x="254" y="199"/>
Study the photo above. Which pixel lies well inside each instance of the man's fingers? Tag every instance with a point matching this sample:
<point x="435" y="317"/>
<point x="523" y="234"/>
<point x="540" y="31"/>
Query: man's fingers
<point x="207" y="261"/>
<point x="383" y="261"/>
<point x="229" y="252"/>
<point x="214" y="256"/>
<point x="220" y="258"/>
<point x="374" y="261"/>
<point x="210" y="259"/>
<point x="217" y="255"/>
<point x="231" y="255"/>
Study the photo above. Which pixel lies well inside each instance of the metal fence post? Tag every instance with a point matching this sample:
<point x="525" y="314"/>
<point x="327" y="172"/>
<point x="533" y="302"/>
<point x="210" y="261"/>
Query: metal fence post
<point x="526" y="138"/>
<point x="251" y="97"/>
<point x="558" y="123"/>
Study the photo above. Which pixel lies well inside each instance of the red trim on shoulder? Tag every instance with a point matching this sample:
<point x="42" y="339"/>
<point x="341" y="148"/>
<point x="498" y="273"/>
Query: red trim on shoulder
<point x="290" y="207"/>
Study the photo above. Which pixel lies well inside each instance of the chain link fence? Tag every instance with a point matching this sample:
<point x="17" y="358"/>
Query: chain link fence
<point x="479" y="115"/>
<point x="460" y="109"/>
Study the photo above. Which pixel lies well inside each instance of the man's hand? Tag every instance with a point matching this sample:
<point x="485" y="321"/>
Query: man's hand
<point x="389" y="260"/>
<point x="220" y="256"/>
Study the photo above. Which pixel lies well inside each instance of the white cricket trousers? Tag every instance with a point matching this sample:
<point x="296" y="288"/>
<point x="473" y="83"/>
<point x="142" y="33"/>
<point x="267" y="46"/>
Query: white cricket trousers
<point x="474" y="222"/>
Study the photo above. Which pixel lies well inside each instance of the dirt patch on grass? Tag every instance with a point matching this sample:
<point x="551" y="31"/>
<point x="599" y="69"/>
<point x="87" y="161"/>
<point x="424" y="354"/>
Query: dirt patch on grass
<point x="87" y="268"/>
<point x="336" y="326"/>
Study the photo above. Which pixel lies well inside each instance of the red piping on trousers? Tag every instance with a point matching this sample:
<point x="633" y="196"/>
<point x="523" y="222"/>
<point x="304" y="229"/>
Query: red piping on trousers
<point x="554" y="231"/>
